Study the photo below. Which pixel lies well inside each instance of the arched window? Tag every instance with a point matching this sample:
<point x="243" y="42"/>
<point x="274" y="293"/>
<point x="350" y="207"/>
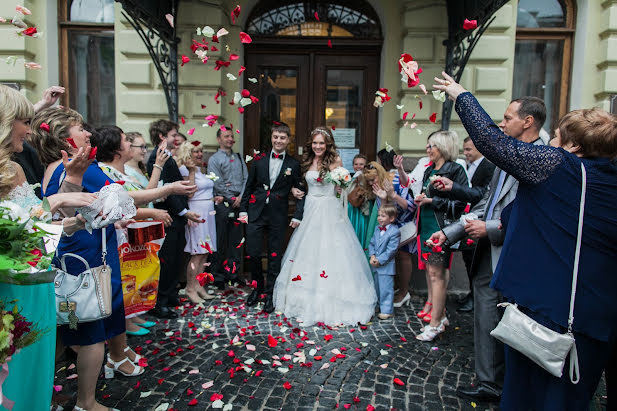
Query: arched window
<point x="338" y="18"/>
<point x="542" y="60"/>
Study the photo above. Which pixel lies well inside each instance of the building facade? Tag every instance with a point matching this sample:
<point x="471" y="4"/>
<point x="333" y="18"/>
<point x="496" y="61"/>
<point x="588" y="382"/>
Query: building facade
<point x="313" y="69"/>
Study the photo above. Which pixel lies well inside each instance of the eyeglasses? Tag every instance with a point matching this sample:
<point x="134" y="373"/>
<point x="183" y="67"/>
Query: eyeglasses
<point x="430" y="146"/>
<point x="139" y="147"/>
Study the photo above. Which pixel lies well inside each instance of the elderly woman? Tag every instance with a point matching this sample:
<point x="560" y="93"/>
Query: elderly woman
<point x="36" y="301"/>
<point x="535" y="268"/>
<point x="65" y="131"/>
<point x="436" y="207"/>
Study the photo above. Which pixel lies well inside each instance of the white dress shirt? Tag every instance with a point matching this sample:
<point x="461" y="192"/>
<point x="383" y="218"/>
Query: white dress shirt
<point x="472" y="167"/>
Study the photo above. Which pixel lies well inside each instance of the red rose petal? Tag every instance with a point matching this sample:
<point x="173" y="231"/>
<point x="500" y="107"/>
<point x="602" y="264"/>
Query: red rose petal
<point x="245" y="38"/>
<point x="92" y="153"/>
<point x="433" y="118"/>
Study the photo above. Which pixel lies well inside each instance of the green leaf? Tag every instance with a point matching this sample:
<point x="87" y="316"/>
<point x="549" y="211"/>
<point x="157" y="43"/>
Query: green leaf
<point x="46" y="206"/>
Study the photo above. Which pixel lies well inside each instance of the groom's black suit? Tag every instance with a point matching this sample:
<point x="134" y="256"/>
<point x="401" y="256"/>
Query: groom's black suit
<point x="267" y="209"/>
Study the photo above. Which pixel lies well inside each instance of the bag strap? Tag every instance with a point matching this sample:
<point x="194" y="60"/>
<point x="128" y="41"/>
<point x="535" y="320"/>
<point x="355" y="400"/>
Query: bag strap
<point x="577" y="254"/>
<point x="575" y="375"/>
<point x="104" y="245"/>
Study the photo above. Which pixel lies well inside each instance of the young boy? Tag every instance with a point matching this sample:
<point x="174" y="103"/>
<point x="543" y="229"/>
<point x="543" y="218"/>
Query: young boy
<point x="382" y="249"/>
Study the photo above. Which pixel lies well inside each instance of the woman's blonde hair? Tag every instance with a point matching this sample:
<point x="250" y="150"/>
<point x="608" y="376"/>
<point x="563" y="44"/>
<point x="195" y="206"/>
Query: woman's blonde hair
<point x="185" y="151"/>
<point x="329" y="157"/>
<point x="374" y="171"/>
<point x="14" y="107"/>
<point x="49" y="143"/>
<point x="447" y="143"/>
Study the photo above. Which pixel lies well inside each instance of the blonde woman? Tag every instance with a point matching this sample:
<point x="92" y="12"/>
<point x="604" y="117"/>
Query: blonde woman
<point x="37" y="301"/>
<point x="435" y="207"/>
<point x="190" y="159"/>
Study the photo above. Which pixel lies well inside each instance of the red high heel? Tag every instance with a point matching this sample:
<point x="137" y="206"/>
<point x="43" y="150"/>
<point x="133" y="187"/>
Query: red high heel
<point x="424" y="313"/>
<point x="428" y="317"/>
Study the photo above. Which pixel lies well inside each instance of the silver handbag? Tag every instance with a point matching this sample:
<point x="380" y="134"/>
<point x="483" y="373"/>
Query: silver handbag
<point x="409" y="232"/>
<point x="546" y="347"/>
<point x="85" y="297"/>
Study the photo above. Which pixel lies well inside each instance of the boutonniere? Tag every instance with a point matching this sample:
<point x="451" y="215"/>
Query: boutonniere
<point x="288" y="171"/>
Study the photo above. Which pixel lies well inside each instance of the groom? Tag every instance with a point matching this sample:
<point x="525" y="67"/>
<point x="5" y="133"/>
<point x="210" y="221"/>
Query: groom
<point x="264" y="207"/>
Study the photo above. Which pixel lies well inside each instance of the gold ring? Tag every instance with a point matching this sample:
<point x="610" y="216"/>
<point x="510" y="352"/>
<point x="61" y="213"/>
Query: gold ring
<point x="447" y="83"/>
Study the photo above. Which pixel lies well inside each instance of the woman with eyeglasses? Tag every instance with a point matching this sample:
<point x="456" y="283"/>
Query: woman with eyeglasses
<point x="435" y="209"/>
<point x="135" y="166"/>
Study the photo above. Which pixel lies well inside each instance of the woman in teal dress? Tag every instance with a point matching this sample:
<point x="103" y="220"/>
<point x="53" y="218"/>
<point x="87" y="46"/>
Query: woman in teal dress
<point x="359" y="214"/>
<point x="434" y="208"/>
<point x="31" y="371"/>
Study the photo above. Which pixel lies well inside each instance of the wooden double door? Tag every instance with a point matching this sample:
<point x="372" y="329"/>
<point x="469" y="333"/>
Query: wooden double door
<point x="306" y="88"/>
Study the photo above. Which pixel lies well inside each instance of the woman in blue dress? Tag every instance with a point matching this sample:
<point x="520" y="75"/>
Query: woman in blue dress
<point x="36" y="301"/>
<point x="536" y="263"/>
<point x="66" y="131"/>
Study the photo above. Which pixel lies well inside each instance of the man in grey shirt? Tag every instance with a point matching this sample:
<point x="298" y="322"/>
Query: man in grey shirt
<point x="228" y="190"/>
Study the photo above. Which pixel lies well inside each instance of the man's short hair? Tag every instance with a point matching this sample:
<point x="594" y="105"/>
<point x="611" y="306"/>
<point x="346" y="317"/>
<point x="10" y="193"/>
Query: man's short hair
<point x="389" y="210"/>
<point x="467" y="139"/>
<point x="357" y="156"/>
<point x="160" y="128"/>
<point x="220" y="130"/>
<point x="281" y="128"/>
<point x="534" y="107"/>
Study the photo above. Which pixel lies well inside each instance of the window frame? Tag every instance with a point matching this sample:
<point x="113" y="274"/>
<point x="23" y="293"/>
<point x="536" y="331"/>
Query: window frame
<point x="566" y="34"/>
<point x="64" y="25"/>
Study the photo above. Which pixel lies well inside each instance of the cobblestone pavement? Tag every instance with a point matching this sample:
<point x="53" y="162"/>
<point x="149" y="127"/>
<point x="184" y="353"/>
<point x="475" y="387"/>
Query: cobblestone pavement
<point x="224" y="350"/>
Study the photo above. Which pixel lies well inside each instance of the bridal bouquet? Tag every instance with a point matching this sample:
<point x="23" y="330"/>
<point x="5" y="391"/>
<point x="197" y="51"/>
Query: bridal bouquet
<point x="340" y="177"/>
<point x="23" y="259"/>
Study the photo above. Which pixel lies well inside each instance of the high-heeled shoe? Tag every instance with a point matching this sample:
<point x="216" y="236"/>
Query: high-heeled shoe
<point x="424" y="313"/>
<point x="442" y="324"/>
<point x="137" y="356"/>
<point x="429" y="333"/>
<point x="115" y="366"/>
<point x="428" y="317"/>
<point x="405" y="300"/>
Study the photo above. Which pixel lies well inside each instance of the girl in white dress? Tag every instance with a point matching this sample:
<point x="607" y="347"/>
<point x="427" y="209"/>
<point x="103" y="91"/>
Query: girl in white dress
<point x="325" y="276"/>
<point x="190" y="156"/>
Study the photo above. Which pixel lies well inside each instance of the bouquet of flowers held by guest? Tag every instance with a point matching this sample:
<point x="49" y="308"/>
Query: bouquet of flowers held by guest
<point x="23" y="258"/>
<point x="16" y="332"/>
<point x="340" y="177"/>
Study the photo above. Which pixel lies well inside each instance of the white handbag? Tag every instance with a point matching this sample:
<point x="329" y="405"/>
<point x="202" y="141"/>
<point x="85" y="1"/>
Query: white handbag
<point x="85" y="297"/>
<point x="409" y="232"/>
<point x="546" y="347"/>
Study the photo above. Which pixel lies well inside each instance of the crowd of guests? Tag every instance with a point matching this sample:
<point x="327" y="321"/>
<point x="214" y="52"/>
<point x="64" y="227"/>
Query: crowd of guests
<point x="518" y="199"/>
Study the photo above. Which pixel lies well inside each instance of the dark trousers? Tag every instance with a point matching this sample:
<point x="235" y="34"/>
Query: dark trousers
<point x="256" y="231"/>
<point x="171" y="256"/>
<point x="228" y="236"/>
<point x="488" y="351"/>
<point x="611" y="381"/>
<point x="467" y="255"/>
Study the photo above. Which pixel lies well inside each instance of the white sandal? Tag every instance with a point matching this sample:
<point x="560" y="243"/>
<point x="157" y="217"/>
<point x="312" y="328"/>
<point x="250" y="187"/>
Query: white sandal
<point x="429" y="333"/>
<point x="115" y="366"/>
<point x="137" y="356"/>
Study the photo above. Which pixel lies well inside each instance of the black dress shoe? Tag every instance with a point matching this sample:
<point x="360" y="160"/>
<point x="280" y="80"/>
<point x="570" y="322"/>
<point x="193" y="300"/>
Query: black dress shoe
<point x="465" y="298"/>
<point x="173" y="302"/>
<point x="467" y="307"/>
<point x="269" y="305"/>
<point x="163" y="312"/>
<point x="253" y="298"/>
<point x="479" y="392"/>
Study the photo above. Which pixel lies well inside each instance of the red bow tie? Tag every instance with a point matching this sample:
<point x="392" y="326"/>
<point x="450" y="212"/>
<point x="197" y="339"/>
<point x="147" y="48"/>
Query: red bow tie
<point x="279" y="156"/>
<point x="383" y="228"/>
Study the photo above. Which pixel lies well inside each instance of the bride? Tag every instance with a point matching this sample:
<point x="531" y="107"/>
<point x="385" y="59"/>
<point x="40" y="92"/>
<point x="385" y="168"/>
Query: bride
<point x="325" y="276"/>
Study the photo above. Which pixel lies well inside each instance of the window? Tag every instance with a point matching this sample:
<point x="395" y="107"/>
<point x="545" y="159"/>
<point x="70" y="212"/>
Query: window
<point x="87" y="59"/>
<point x="542" y="59"/>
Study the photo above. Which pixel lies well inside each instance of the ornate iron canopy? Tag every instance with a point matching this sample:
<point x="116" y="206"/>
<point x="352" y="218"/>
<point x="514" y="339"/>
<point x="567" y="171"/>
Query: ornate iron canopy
<point x="460" y="42"/>
<point x="148" y="20"/>
<point x="289" y="17"/>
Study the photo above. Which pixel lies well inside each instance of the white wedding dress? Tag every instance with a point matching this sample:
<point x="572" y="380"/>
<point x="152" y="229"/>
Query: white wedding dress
<point x="333" y="281"/>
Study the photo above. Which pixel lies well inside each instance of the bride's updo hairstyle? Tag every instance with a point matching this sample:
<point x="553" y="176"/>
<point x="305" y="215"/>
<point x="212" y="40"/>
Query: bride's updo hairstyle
<point x="330" y="154"/>
<point x="14" y="107"/>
